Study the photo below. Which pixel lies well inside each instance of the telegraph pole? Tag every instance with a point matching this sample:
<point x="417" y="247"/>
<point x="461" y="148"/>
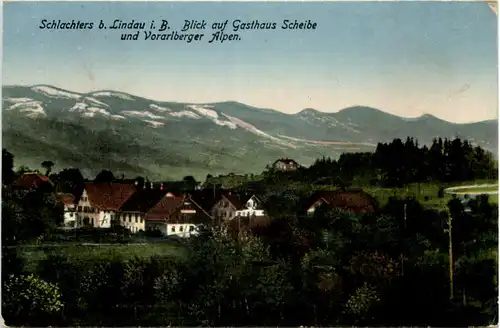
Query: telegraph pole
<point x="450" y="250"/>
<point x="402" y="255"/>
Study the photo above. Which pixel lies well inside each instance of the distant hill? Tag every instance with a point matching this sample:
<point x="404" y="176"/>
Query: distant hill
<point x="137" y="136"/>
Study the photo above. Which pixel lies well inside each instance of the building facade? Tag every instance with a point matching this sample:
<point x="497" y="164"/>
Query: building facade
<point x="176" y="216"/>
<point x="100" y="202"/>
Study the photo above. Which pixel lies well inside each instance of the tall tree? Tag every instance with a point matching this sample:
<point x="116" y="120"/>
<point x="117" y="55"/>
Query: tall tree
<point x="69" y="181"/>
<point x="47" y="165"/>
<point x="189" y="182"/>
<point x="7" y="167"/>
<point x="104" y="176"/>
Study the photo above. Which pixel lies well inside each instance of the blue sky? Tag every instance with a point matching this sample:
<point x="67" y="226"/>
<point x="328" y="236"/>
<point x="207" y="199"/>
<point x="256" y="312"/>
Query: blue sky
<point x="407" y="58"/>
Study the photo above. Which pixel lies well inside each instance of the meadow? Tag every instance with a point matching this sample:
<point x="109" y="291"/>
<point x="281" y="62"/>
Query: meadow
<point x="33" y="254"/>
<point x="427" y="193"/>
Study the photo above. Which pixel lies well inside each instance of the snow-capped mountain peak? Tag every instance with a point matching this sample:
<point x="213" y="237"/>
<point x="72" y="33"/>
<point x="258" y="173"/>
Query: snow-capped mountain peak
<point x="55" y="92"/>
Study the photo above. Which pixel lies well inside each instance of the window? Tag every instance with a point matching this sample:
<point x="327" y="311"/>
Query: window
<point x="70" y="215"/>
<point x="181" y="228"/>
<point x="142" y="220"/>
<point x="130" y="218"/>
<point x="79" y="208"/>
<point x="173" y="229"/>
<point x="191" y="228"/>
<point x="136" y="217"/>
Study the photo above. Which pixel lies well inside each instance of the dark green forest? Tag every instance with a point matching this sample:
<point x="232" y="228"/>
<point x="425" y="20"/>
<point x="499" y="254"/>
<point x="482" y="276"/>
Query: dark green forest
<point x="404" y="264"/>
<point x="402" y="162"/>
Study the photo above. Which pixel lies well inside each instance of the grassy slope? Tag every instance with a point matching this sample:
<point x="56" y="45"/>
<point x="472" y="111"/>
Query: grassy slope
<point x="32" y="255"/>
<point x="429" y="190"/>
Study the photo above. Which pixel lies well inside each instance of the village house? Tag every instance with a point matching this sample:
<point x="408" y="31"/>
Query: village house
<point x="356" y="201"/>
<point x="233" y="204"/>
<point x="285" y="164"/>
<point x="251" y="208"/>
<point x="68" y="201"/>
<point x="176" y="216"/>
<point x="227" y="206"/>
<point x="32" y="180"/>
<point x="132" y="212"/>
<point x="101" y="201"/>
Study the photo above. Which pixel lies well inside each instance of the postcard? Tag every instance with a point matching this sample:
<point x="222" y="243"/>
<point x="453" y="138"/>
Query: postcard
<point x="249" y="163"/>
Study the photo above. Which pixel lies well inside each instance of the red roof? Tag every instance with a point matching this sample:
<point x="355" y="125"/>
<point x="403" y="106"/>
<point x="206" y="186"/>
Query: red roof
<point x="355" y="201"/>
<point x="109" y="196"/>
<point x="166" y="207"/>
<point x="66" y="199"/>
<point x="174" y="209"/>
<point x="31" y="180"/>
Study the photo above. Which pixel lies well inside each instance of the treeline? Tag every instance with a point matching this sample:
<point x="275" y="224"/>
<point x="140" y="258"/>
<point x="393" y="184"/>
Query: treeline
<point x="398" y="163"/>
<point x="388" y="268"/>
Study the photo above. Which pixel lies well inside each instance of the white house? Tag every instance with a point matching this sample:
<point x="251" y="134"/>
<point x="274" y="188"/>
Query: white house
<point x="232" y="204"/>
<point x="100" y="202"/>
<point x="176" y="216"/>
<point x="132" y="213"/>
<point x="251" y="208"/>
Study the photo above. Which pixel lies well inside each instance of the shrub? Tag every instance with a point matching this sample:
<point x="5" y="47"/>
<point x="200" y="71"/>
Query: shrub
<point x="29" y="300"/>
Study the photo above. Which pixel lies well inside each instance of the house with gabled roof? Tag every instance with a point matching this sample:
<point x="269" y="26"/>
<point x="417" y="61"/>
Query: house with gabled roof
<point x="101" y="201"/>
<point x="32" y="180"/>
<point x="132" y="213"/>
<point x="356" y="201"/>
<point x="251" y="208"/>
<point x="233" y="204"/>
<point x="285" y="164"/>
<point x="176" y="216"/>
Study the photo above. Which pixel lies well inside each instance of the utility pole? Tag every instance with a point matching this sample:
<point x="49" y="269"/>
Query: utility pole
<point x="404" y="234"/>
<point x="450" y="250"/>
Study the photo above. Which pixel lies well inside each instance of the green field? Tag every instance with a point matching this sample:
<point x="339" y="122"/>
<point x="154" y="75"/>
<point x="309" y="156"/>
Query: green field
<point x="425" y="193"/>
<point x="475" y="190"/>
<point x="33" y="254"/>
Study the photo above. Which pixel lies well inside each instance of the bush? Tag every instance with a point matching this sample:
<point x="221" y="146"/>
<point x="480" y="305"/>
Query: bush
<point x="27" y="300"/>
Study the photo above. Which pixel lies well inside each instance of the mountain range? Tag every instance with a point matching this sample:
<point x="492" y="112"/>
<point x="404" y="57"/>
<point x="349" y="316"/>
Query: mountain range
<point x="134" y="136"/>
